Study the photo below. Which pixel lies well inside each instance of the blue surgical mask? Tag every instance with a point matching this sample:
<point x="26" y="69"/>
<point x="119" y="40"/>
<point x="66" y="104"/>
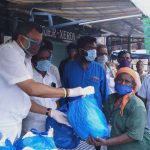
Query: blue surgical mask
<point x="123" y="89"/>
<point x="43" y="65"/>
<point x="91" y="55"/>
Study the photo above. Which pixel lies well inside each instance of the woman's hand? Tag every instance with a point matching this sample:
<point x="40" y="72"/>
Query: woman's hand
<point x="122" y="139"/>
<point x="97" y="141"/>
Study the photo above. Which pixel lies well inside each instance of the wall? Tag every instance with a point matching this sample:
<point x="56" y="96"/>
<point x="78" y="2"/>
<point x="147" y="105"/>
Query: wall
<point x="59" y="52"/>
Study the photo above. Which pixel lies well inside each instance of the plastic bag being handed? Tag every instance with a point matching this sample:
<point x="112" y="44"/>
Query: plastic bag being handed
<point x="64" y="136"/>
<point x="34" y="140"/>
<point x="5" y="144"/>
<point x="87" y="119"/>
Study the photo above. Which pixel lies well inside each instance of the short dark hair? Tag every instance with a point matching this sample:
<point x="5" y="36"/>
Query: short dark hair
<point x="101" y="46"/>
<point x="139" y="61"/>
<point x="71" y="46"/>
<point x="46" y="44"/>
<point x="121" y="53"/>
<point x="25" y="28"/>
<point x="84" y="40"/>
<point x="35" y="57"/>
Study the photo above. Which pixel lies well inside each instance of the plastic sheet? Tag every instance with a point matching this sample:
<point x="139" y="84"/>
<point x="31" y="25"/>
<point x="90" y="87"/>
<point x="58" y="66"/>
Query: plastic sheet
<point x="64" y="136"/>
<point x="87" y="119"/>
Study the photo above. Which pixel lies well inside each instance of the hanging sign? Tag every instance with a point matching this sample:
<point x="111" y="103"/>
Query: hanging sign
<point x="59" y="34"/>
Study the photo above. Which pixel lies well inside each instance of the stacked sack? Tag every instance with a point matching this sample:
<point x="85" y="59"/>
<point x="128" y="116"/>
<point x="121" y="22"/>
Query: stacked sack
<point x="34" y="140"/>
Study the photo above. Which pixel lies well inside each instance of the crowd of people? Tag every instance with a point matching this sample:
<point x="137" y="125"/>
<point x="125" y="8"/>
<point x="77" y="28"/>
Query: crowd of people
<point x="32" y="88"/>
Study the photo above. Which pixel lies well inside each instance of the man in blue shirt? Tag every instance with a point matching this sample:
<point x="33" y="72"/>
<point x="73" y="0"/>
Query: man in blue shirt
<point x="84" y="71"/>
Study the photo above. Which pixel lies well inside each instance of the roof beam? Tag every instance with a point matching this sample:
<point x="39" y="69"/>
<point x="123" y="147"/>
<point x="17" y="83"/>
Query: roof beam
<point x="111" y="19"/>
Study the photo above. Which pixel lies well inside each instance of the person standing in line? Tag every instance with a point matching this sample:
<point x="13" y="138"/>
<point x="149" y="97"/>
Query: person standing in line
<point x="47" y="44"/>
<point x="140" y="70"/>
<point x="84" y="71"/>
<point x="144" y="94"/>
<point x="110" y="68"/>
<point x="72" y="54"/>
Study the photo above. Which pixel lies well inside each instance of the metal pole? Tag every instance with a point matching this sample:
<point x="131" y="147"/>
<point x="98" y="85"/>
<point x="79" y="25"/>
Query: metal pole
<point x="110" y="19"/>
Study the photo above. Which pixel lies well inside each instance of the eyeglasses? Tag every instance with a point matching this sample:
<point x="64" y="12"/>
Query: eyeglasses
<point x="32" y="40"/>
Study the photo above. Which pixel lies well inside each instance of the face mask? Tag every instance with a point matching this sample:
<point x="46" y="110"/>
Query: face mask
<point x="32" y="47"/>
<point x="124" y="63"/>
<point x="123" y="89"/>
<point x="91" y="55"/>
<point x="43" y="65"/>
<point x="102" y="59"/>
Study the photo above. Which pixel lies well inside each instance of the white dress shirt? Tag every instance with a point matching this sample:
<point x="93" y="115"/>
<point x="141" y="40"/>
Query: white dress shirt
<point x="54" y="71"/>
<point x="35" y="120"/>
<point x="14" y="103"/>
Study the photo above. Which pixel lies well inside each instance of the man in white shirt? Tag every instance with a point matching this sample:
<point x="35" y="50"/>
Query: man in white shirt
<point x="41" y="73"/>
<point x="17" y="84"/>
<point x="144" y="94"/>
<point x="110" y="68"/>
<point x="47" y="44"/>
<point x="140" y="70"/>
